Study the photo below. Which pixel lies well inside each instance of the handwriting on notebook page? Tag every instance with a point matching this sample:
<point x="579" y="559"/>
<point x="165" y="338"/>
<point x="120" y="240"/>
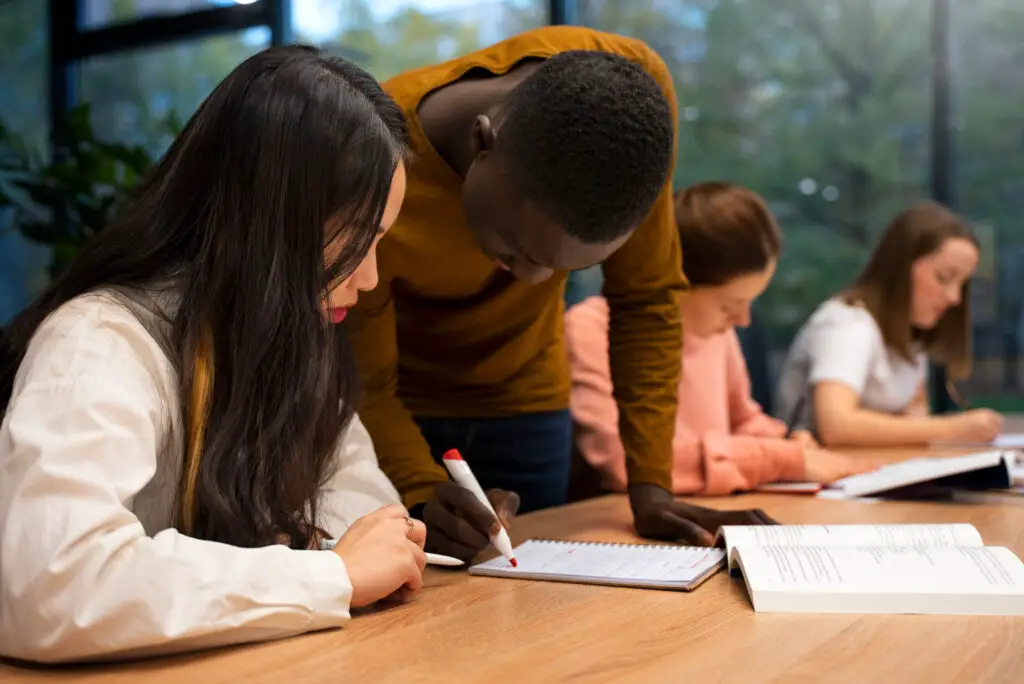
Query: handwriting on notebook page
<point x="610" y="561"/>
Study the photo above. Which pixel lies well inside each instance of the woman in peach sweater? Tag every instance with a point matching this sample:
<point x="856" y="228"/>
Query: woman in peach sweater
<point x="724" y="442"/>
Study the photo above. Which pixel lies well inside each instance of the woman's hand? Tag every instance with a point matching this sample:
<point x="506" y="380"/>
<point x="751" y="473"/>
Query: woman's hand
<point x="804" y="439"/>
<point x="976" y="425"/>
<point x="383" y="555"/>
<point x="822" y="465"/>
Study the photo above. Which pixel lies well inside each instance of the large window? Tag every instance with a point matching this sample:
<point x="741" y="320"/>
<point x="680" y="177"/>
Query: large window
<point x="97" y="13"/>
<point x="389" y="37"/>
<point x="24" y="111"/>
<point x="823" y="106"/>
<point x="133" y="95"/>
<point x="988" y="42"/>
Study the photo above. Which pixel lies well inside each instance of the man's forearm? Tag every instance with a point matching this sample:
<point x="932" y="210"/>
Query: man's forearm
<point x="645" y="355"/>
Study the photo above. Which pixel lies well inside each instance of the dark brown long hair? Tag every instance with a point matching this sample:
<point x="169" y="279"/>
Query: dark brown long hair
<point x="884" y="287"/>
<point x="725" y="231"/>
<point x="291" y="151"/>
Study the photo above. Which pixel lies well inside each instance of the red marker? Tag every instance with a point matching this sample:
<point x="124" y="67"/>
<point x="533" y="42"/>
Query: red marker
<point x="461" y="473"/>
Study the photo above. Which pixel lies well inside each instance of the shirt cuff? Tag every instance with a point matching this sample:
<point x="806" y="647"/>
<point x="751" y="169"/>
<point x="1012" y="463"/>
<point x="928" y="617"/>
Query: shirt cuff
<point x="329" y="589"/>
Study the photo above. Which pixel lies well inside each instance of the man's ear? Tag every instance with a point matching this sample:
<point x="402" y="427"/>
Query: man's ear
<point x="484" y="135"/>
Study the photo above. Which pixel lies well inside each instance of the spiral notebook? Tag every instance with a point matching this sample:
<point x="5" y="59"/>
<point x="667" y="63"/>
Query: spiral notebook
<point x="680" y="568"/>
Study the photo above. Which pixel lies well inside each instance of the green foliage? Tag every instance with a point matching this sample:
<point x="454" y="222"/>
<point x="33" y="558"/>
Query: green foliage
<point x="838" y="92"/>
<point x="68" y="199"/>
<point x="411" y="38"/>
<point x="770" y="93"/>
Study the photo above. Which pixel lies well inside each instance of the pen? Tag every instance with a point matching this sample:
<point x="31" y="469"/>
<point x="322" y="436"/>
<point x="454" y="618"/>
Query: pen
<point x="438" y="559"/>
<point x="461" y="473"/>
<point x="432" y="558"/>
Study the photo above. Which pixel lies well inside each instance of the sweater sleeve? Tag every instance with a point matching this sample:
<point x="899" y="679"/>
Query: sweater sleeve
<point x="593" y="408"/>
<point x="642" y="283"/>
<point x="401" y="449"/>
<point x="718" y="464"/>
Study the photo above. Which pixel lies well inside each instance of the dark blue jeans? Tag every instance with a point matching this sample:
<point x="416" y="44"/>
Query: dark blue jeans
<point x="527" y="454"/>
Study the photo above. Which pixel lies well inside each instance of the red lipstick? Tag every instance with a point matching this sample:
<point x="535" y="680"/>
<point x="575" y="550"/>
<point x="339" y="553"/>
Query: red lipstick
<point x="337" y="314"/>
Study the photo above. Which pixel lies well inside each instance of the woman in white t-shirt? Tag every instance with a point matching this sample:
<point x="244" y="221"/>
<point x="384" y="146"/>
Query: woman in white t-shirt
<point x="178" y="437"/>
<point x="857" y="371"/>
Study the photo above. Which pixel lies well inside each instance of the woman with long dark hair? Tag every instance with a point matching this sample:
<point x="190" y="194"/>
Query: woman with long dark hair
<point x="179" y="435"/>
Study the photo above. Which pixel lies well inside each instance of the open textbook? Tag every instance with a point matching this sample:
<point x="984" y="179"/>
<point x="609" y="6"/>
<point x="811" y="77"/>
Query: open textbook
<point x="929" y="477"/>
<point x="933" y="569"/>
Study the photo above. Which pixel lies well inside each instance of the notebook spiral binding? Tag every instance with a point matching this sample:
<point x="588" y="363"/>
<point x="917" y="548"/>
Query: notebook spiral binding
<point x="564" y="542"/>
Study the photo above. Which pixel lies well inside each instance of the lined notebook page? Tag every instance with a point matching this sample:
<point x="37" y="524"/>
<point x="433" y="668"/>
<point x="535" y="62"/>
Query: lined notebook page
<point x="633" y="565"/>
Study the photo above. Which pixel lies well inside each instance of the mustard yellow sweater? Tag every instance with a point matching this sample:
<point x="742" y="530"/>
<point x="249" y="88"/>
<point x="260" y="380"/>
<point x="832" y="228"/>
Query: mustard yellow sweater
<point x="448" y="334"/>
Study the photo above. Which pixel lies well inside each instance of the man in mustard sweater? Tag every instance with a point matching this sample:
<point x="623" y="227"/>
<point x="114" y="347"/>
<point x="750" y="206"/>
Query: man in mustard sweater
<point x="545" y="153"/>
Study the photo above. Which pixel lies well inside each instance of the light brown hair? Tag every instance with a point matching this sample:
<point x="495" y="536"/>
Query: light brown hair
<point x="884" y="287"/>
<point x="725" y="231"/>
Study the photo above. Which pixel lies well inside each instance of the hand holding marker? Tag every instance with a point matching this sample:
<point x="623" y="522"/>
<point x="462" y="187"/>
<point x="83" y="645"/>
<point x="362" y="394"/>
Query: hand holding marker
<point x="461" y="473"/>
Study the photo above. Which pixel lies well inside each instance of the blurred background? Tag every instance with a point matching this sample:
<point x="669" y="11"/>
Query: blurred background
<point x="841" y="112"/>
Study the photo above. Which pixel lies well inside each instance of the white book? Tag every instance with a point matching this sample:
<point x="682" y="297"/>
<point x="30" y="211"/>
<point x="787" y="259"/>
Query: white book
<point x="985" y="470"/>
<point x="646" y="566"/>
<point x="1009" y="441"/>
<point x="928" y="569"/>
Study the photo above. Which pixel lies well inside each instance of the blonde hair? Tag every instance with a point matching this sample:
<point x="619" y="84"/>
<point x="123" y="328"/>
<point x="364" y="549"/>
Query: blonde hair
<point x="196" y="419"/>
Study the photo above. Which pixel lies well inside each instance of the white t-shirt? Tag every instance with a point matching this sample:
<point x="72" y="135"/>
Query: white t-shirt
<point x="842" y="343"/>
<point x="90" y="457"/>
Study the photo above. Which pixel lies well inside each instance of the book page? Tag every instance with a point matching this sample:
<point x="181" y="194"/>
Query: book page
<point x="607" y="561"/>
<point x="742" y="536"/>
<point x="1009" y="441"/>
<point x="914" y="471"/>
<point x="789" y="487"/>
<point x="873" y="569"/>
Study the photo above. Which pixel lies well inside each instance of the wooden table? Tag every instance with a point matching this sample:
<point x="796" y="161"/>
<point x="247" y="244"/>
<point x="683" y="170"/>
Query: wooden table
<point x="475" y="629"/>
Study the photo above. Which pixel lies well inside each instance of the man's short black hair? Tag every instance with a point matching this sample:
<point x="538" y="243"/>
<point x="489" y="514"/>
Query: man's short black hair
<point x="589" y="138"/>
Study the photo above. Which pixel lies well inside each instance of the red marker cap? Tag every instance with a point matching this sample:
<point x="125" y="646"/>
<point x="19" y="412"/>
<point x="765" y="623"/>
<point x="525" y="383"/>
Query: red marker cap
<point x="452" y="455"/>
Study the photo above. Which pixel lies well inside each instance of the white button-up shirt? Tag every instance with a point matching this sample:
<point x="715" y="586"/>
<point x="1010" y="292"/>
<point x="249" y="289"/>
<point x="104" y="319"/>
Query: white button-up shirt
<point x="90" y="458"/>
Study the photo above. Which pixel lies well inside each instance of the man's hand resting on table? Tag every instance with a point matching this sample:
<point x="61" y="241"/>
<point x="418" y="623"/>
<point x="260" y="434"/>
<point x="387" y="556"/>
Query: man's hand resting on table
<point x="459" y="525"/>
<point x="657" y="514"/>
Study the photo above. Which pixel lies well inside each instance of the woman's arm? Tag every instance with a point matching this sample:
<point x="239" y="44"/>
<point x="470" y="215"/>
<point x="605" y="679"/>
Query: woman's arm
<point x="717" y="464"/>
<point x="842" y="422"/>
<point x="841" y="356"/>
<point x="82" y="579"/>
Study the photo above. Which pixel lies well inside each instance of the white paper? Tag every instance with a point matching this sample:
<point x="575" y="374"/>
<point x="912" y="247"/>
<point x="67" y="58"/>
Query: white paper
<point x="1009" y="441"/>
<point x="744" y="536"/>
<point x="610" y="562"/>
<point x="914" y="471"/>
<point x="923" y="570"/>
